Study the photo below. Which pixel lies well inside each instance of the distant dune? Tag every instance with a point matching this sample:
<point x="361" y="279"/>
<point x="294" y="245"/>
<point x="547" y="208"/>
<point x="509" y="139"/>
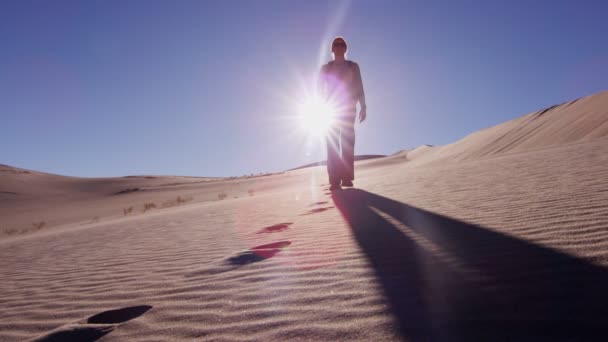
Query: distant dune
<point x="502" y="235"/>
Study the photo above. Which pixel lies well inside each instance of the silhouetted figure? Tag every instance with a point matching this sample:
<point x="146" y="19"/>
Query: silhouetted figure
<point x="341" y="84"/>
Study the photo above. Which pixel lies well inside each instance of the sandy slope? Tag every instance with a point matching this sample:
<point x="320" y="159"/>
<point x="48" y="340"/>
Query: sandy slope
<point x="579" y="120"/>
<point x="28" y="197"/>
<point x="501" y="235"/>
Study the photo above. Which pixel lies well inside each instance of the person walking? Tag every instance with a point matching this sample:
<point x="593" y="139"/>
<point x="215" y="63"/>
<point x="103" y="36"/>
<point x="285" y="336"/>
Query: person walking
<point x="341" y="84"/>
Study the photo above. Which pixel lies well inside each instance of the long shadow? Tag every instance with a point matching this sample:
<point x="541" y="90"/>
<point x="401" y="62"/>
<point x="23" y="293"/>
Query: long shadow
<point x="450" y="280"/>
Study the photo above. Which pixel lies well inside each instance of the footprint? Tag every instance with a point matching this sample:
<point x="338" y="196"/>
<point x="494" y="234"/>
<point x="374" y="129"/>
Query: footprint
<point x="95" y="326"/>
<point x="318" y="203"/>
<point x="316" y="210"/>
<point x="119" y="315"/>
<point x="258" y="253"/>
<point x="244" y="258"/>
<point x="255" y="254"/>
<point x="75" y="332"/>
<point x="275" y="228"/>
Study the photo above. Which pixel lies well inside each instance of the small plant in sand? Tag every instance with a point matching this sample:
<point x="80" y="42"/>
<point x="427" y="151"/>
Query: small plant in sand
<point x="38" y="225"/>
<point x="182" y="200"/>
<point x="127" y="211"/>
<point x="178" y="201"/>
<point x="222" y="195"/>
<point x="95" y="219"/>
<point x="9" y="231"/>
<point x="251" y="192"/>
<point x="148" y="206"/>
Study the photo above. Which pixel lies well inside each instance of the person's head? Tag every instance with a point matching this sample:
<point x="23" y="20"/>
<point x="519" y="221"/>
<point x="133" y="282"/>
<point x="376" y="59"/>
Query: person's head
<point x="339" y="47"/>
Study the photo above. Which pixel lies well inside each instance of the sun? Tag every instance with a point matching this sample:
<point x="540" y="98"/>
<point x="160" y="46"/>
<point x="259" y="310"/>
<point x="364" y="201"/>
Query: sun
<point x="316" y="115"/>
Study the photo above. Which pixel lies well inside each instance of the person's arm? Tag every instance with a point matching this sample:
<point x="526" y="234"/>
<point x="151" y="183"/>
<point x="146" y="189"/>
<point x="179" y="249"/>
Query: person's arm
<point x="360" y="93"/>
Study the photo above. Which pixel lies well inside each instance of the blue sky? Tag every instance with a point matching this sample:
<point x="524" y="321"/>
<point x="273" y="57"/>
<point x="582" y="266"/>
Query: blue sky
<point x="208" y="88"/>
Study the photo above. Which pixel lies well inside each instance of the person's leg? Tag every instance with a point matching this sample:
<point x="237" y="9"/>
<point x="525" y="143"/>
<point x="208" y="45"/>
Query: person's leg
<point x="333" y="154"/>
<point x="348" y="149"/>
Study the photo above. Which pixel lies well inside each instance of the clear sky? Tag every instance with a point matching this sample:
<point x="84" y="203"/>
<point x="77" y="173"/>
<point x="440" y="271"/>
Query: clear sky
<point x="208" y="88"/>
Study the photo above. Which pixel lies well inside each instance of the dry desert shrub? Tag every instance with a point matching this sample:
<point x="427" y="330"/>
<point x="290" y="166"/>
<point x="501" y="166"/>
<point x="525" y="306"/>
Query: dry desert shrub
<point x="12" y="231"/>
<point x="222" y="195"/>
<point x="38" y="225"/>
<point x="9" y="231"/>
<point x="178" y="201"/>
<point x="127" y="211"/>
<point x="148" y="206"/>
<point x="182" y="200"/>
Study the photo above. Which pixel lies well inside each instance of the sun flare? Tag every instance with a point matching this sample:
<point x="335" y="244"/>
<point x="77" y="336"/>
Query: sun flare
<point x="316" y="115"/>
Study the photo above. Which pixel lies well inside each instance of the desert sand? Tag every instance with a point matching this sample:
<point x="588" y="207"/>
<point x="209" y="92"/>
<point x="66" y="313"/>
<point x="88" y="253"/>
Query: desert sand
<point x="502" y="235"/>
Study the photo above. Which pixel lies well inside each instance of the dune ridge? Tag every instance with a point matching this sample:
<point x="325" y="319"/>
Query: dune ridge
<point x="584" y="119"/>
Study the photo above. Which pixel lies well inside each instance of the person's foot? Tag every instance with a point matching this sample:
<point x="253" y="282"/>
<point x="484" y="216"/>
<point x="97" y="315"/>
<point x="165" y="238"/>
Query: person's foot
<point x="347" y="183"/>
<point x="334" y="187"/>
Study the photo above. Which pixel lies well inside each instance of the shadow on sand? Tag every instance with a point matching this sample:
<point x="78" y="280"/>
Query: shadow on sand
<point x="448" y="280"/>
<point x="259" y="253"/>
<point x="94" y="327"/>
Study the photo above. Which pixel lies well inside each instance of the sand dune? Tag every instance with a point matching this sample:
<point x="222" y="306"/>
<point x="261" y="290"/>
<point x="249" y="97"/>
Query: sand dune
<point x="28" y="197"/>
<point x="580" y="120"/>
<point x="502" y="235"/>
